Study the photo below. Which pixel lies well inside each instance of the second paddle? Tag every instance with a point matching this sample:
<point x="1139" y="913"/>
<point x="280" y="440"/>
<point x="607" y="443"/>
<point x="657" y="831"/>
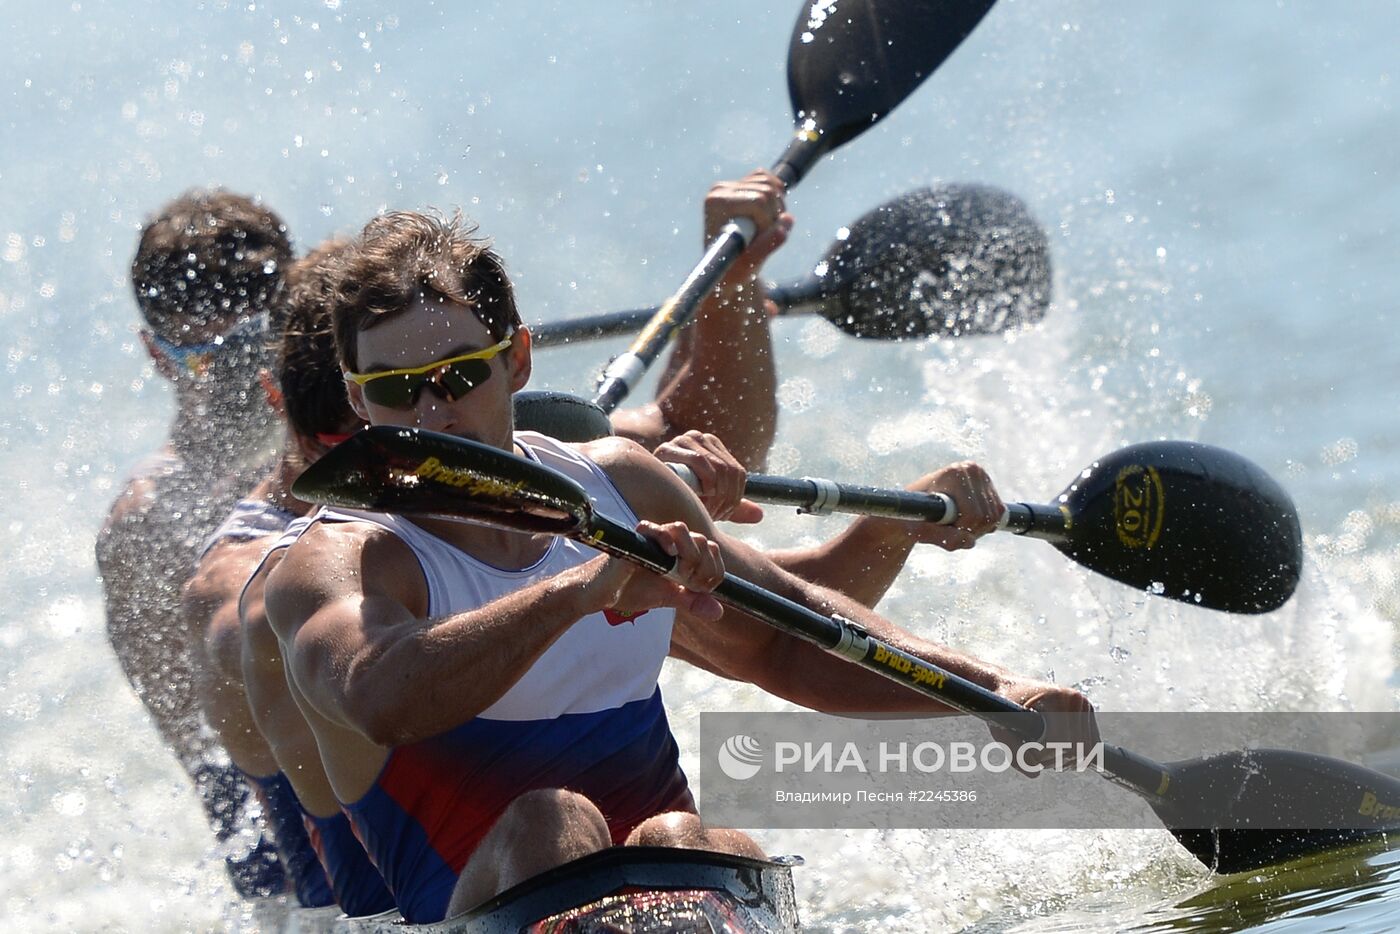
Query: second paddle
<point x="1183" y="520"/>
<point x="950" y="261"/>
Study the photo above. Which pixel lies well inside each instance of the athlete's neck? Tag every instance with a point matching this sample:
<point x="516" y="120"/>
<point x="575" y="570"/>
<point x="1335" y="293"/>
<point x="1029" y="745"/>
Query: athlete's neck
<point x="279" y="483"/>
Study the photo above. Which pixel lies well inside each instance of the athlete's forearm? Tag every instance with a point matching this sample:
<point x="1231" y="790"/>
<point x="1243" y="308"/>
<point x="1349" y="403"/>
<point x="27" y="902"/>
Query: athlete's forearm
<point x="727" y="386"/>
<point x="834" y="685"/>
<point x="802" y="673"/>
<point x="860" y="562"/>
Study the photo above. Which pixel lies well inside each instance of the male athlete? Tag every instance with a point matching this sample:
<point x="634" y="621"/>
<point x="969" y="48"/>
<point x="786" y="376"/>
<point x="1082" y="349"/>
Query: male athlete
<point x="485" y="702"/>
<point x="207" y="271"/>
<point x="245" y="695"/>
<point x="270" y="741"/>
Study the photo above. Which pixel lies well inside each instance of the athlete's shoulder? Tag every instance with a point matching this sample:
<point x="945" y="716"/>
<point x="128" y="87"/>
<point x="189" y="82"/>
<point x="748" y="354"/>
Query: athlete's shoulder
<point x="620" y="455"/>
<point x="335" y="559"/>
<point x="226" y="567"/>
<point x="343" y="542"/>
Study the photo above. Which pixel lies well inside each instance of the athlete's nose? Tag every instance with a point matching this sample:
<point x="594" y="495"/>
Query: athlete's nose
<point x="433" y="413"/>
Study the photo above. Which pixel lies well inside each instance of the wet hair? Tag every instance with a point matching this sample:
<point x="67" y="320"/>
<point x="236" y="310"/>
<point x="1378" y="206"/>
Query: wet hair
<point x="404" y="254"/>
<point x="209" y="256"/>
<point x="308" y="371"/>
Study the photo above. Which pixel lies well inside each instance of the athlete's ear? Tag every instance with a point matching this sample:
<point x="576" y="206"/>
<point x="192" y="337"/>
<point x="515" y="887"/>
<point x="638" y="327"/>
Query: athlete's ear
<point x="273" y="392"/>
<point x="163" y="365"/>
<point x="309" y="448"/>
<point x="519" y="359"/>
<point x="356" y="394"/>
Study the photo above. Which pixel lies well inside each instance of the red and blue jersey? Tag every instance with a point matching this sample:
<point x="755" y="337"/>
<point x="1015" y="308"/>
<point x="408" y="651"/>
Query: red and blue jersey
<point x="435" y="800"/>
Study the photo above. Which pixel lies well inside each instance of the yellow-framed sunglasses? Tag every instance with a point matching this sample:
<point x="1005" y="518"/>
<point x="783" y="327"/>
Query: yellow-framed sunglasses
<point x="451" y="379"/>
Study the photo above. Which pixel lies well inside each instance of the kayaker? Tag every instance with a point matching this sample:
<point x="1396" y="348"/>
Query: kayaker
<point x="459" y="679"/>
<point x="245" y="696"/>
<point x="206" y="273"/>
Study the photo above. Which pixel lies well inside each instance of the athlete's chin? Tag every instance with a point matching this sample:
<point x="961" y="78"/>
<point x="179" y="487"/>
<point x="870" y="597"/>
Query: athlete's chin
<point x="477" y="437"/>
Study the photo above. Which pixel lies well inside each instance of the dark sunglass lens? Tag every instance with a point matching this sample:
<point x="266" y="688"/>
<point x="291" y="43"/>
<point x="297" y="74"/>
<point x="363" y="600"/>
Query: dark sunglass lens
<point x="462" y="377"/>
<point x="394" y="392"/>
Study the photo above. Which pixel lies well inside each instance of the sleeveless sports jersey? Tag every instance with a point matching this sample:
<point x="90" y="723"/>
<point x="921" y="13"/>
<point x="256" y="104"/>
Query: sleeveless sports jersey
<point x="250" y="519"/>
<point x="586" y="716"/>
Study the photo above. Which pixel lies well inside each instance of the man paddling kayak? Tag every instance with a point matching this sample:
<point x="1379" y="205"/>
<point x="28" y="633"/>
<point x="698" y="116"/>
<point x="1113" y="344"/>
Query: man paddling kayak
<point x="247" y="701"/>
<point x="485" y="702"/>
<point x="720" y="376"/>
<point x="270" y="742"/>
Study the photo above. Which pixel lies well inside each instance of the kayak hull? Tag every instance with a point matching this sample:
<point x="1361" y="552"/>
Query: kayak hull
<point x="633" y="888"/>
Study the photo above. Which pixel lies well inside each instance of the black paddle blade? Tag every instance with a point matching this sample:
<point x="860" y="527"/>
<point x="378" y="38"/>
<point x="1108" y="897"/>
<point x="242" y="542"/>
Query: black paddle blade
<point x="951" y="260"/>
<point x="1242" y="810"/>
<point x="1187" y="521"/>
<point x="409" y="471"/>
<point x="560" y="415"/>
<point x="850" y="62"/>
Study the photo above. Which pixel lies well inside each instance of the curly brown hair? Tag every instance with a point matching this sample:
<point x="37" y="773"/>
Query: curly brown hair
<point x="209" y="255"/>
<point x="308" y="371"/>
<point x="404" y="254"/>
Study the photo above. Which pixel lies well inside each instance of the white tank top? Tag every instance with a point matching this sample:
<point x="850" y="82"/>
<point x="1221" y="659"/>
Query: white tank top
<point x="601" y="662"/>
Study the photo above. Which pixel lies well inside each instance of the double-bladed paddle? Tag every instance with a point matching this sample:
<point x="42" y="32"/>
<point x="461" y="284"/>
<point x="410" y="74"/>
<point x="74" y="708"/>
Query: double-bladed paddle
<point x="1188" y="521"/>
<point x="952" y="260"/>
<point x="849" y="63"/>
<point x="1222" y="808"/>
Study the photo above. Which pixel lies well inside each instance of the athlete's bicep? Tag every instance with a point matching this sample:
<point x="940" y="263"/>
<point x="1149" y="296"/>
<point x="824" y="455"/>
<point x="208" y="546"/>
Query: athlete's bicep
<point x="651" y="489"/>
<point x="337" y="611"/>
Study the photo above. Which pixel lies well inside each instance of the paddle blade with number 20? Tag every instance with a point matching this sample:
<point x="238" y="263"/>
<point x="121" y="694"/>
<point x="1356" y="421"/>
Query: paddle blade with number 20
<point x="1189" y="521"/>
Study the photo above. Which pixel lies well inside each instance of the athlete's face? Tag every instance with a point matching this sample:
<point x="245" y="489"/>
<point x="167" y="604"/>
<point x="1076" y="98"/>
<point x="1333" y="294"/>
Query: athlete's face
<point x="434" y="329"/>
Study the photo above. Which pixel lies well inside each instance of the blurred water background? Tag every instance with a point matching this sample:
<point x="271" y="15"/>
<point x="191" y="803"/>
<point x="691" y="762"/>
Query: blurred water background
<point x="1221" y="187"/>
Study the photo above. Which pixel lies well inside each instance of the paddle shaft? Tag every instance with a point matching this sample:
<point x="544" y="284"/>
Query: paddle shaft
<point x="627" y="369"/>
<point x="821" y="497"/>
<point x="1183" y="520"/>
<point x="840" y="636"/>
<point x="800" y="297"/>
<point x="845" y="73"/>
